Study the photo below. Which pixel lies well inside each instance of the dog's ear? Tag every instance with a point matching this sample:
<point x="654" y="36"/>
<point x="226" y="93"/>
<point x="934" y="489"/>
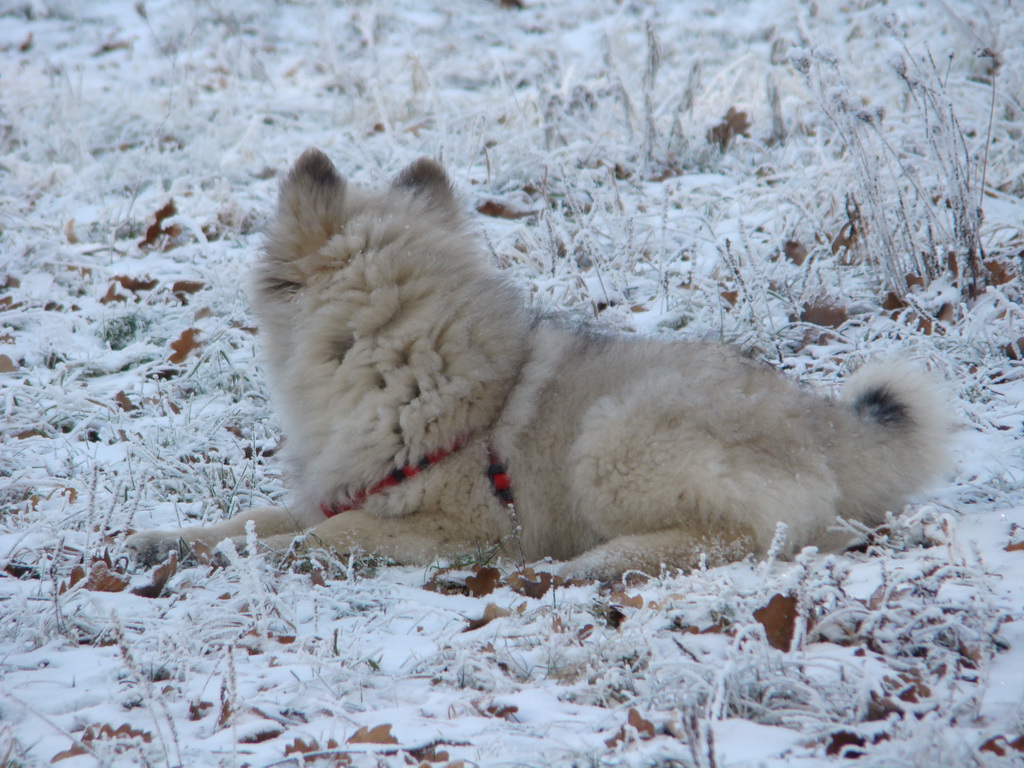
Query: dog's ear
<point x="427" y="177"/>
<point x="310" y="207"/>
<point x="313" y="186"/>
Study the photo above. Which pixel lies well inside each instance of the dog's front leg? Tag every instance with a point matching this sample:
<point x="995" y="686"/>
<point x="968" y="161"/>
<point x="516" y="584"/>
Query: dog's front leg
<point x="416" y="539"/>
<point x="150" y="547"/>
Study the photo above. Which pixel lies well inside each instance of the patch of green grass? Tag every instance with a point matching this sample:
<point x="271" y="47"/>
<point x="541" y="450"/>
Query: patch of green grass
<point x="119" y="332"/>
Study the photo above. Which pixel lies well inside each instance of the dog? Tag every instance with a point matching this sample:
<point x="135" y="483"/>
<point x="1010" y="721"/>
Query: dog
<point x="430" y="413"/>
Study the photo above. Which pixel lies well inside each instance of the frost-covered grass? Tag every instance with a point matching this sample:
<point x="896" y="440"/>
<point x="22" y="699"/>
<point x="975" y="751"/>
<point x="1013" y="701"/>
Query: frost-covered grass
<point x="862" y="199"/>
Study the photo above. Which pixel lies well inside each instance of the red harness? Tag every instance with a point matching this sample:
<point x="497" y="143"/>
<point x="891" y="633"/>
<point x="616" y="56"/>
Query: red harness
<point x="500" y="481"/>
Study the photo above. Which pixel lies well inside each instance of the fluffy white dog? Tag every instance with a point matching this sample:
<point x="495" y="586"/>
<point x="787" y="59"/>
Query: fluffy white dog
<point x="419" y="395"/>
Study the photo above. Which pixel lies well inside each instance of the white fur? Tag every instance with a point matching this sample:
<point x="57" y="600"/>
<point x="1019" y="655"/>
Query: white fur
<point x="388" y="336"/>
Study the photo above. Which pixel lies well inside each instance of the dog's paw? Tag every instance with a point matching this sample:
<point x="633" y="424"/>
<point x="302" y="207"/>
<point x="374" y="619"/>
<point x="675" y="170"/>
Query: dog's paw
<point x="152" y="547"/>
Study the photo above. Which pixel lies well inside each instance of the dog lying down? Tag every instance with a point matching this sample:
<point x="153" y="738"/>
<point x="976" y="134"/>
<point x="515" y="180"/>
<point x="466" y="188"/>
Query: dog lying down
<point x="420" y="396"/>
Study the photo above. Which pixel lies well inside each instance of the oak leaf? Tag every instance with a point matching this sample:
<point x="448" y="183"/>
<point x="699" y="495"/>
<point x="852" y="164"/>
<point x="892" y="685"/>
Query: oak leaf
<point x="735" y="123"/>
<point x="483" y="581"/>
<point x="185" y="344"/>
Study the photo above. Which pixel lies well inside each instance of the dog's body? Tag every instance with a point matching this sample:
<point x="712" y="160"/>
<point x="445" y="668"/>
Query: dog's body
<point x="390" y="339"/>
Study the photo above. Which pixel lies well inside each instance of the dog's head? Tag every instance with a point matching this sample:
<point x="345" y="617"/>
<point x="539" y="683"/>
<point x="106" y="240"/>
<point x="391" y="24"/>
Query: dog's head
<point x="348" y="260"/>
<point x="317" y="208"/>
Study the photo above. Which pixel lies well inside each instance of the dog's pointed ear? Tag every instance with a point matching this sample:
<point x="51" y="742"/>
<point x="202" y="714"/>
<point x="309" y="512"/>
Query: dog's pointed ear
<point x="310" y="209"/>
<point x="313" y="185"/>
<point x="316" y="169"/>
<point x="427" y="177"/>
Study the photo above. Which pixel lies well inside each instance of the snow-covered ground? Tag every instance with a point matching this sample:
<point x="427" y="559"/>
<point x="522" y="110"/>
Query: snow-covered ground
<point x="141" y="145"/>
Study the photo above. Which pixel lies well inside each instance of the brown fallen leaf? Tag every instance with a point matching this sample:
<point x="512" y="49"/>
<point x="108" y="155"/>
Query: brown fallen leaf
<point x="182" y="289"/>
<point x="823" y="314"/>
<point x="924" y="323"/>
<point x="103" y="732"/>
<point x="531" y="584"/>
<point x="112" y="295"/>
<point x="159" y="578"/>
<point x="893" y="302"/>
<point x="850" y="231"/>
<point x="1015" y="349"/>
<point x="644" y="729"/>
<point x="1000" y="272"/>
<point x="491" y="612"/>
<point x="914" y="281"/>
<point x="124" y="403"/>
<point x="735" y="123"/>
<point x="266" y="734"/>
<point x="314" y="754"/>
<point x="77" y="574"/>
<point x="483" y="581"/>
<point x="379" y="735"/>
<point x="431" y="754"/>
<point x="840" y="740"/>
<point x="7" y="365"/>
<point x="501" y="211"/>
<point x="622" y="599"/>
<point x="185" y="344"/>
<point x="998" y="745"/>
<point x="795" y="252"/>
<point x="136" y="284"/>
<point x="102" y="578"/>
<point x="156" y="229"/>
<point x="779" y="620"/>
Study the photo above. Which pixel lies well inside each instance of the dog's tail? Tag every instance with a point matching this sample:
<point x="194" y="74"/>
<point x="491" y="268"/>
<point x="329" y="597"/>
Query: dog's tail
<point x="897" y="441"/>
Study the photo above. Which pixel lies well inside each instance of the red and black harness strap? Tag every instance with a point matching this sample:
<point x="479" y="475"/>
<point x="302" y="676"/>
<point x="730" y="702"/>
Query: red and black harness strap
<point x="500" y="481"/>
<point x="498" y="475"/>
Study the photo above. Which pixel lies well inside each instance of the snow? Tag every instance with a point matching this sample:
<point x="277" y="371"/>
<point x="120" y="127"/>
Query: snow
<point x="912" y="648"/>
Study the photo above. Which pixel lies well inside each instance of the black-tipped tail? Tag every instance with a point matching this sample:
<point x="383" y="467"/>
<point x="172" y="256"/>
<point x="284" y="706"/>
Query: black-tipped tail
<point x="897" y="443"/>
<point x="883" y="406"/>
